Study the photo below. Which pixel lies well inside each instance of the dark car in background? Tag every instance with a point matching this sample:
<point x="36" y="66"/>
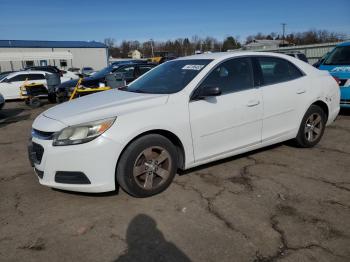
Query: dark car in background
<point x="129" y="71"/>
<point x="299" y="55"/>
<point x="50" y="69"/>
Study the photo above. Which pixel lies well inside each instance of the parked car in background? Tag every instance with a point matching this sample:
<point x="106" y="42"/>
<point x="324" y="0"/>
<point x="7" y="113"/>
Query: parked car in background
<point x="128" y="61"/>
<point x="2" y="101"/>
<point x="320" y="61"/>
<point x="183" y="113"/>
<point x="129" y="71"/>
<point x="166" y="59"/>
<point x="87" y="71"/>
<point x="337" y="63"/>
<point x="10" y="85"/>
<point x="65" y="76"/>
<point x="299" y="55"/>
<point x="50" y="69"/>
<point x="5" y="73"/>
<point x="69" y="75"/>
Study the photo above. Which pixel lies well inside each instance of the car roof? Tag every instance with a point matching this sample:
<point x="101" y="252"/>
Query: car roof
<point x="344" y="44"/>
<point x="225" y="55"/>
<point x="27" y="72"/>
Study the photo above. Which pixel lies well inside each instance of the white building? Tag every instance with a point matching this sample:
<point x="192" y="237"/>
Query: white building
<point x="18" y="54"/>
<point x="264" y="44"/>
<point x="135" y="54"/>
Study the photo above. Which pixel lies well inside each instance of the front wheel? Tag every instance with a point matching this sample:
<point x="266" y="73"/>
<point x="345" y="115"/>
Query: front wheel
<point x="147" y="166"/>
<point x="312" y="127"/>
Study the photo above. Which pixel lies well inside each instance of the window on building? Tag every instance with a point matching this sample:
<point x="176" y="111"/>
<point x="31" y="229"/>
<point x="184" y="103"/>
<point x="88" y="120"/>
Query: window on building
<point x="29" y="63"/>
<point x="63" y="63"/>
<point x="43" y="62"/>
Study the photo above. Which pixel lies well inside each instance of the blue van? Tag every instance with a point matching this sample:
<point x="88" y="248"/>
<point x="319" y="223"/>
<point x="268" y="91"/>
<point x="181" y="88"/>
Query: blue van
<point x="337" y="63"/>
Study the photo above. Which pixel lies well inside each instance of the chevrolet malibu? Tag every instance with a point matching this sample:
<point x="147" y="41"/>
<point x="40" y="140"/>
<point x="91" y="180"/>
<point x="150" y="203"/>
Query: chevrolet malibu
<point x="181" y="114"/>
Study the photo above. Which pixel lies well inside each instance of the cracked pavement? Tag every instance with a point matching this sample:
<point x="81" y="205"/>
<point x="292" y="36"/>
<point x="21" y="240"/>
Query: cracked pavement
<point x="276" y="204"/>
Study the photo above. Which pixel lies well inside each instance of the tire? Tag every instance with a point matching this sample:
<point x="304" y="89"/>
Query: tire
<point x="52" y="98"/>
<point x="312" y="127"/>
<point x="34" y="102"/>
<point x="139" y="174"/>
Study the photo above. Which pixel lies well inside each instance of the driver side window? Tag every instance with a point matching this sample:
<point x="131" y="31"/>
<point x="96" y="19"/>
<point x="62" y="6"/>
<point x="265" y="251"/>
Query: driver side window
<point x="231" y="76"/>
<point x="17" y="78"/>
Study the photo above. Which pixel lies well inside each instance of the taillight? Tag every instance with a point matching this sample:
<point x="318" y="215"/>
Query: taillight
<point x="337" y="80"/>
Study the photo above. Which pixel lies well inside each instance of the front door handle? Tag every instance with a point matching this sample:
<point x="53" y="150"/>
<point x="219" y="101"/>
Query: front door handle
<point x="253" y="103"/>
<point x="301" y="91"/>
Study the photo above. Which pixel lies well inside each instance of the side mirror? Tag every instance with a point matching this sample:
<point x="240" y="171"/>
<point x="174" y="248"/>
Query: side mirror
<point x="209" y="91"/>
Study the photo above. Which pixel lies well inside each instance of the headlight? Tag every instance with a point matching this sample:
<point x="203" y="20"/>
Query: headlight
<point x="83" y="133"/>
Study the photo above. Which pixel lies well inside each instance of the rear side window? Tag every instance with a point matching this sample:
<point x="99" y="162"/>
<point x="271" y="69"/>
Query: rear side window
<point x="231" y="76"/>
<point x="144" y="69"/>
<point x="18" y="78"/>
<point x="35" y="77"/>
<point x="276" y="70"/>
<point x="127" y="71"/>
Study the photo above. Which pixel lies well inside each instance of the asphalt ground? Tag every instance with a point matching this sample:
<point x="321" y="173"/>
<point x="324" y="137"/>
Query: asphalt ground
<point x="276" y="204"/>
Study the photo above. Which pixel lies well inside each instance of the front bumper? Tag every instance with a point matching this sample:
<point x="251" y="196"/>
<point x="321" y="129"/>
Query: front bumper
<point x="96" y="160"/>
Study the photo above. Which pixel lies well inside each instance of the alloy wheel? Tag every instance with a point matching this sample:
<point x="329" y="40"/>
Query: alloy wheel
<point x="313" y="127"/>
<point x="152" y="167"/>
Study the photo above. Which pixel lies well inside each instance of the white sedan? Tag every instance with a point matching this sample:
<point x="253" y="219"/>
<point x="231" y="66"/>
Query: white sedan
<point x="10" y="85"/>
<point x="2" y="101"/>
<point x="181" y="114"/>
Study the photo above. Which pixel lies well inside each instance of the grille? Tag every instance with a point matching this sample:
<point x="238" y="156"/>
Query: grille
<point x="345" y="101"/>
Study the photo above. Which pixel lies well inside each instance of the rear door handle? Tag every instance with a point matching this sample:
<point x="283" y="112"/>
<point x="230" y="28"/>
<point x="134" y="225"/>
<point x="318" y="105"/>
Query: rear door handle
<point x="301" y="91"/>
<point x="253" y="103"/>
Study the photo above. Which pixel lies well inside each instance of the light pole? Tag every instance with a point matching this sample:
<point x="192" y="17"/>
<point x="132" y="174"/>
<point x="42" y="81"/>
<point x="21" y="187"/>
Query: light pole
<point x="152" y="47"/>
<point x="283" y="31"/>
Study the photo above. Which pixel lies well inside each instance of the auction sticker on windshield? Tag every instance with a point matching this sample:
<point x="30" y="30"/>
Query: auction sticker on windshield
<point x="193" y="67"/>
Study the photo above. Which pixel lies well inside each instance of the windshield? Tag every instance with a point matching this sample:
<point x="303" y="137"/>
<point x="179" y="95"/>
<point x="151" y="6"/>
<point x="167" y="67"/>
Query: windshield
<point x="170" y="77"/>
<point x="103" y="72"/>
<point x="339" y="56"/>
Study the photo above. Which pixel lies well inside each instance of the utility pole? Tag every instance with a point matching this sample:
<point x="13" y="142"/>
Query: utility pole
<point x="152" y="47"/>
<point x="283" y="32"/>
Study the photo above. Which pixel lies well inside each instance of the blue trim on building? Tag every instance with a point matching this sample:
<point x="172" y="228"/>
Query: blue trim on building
<point x="50" y="44"/>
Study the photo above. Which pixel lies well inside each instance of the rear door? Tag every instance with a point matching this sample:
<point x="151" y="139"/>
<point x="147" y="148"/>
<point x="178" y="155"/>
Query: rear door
<point x="284" y="93"/>
<point x="38" y="78"/>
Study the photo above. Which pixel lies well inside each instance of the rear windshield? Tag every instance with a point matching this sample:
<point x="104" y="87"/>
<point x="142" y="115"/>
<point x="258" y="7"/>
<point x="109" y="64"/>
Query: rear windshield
<point x="168" y="78"/>
<point x="339" y="56"/>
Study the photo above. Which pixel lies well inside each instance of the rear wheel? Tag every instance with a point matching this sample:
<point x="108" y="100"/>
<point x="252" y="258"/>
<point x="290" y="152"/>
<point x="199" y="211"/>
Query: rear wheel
<point x="147" y="166"/>
<point x="312" y="127"/>
<point x="34" y="102"/>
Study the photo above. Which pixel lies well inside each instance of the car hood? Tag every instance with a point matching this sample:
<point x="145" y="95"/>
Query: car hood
<point x="340" y="71"/>
<point x="103" y="105"/>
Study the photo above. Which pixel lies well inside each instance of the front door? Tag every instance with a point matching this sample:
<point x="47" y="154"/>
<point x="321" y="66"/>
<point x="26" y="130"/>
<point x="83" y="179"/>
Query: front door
<point x="232" y="120"/>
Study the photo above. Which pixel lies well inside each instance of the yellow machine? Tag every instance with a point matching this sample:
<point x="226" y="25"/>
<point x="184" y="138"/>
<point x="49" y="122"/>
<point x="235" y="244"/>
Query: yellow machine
<point x="32" y="92"/>
<point x="79" y="90"/>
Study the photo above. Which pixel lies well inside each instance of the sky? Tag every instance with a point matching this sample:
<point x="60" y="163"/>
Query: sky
<point x="162" y="20"/>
